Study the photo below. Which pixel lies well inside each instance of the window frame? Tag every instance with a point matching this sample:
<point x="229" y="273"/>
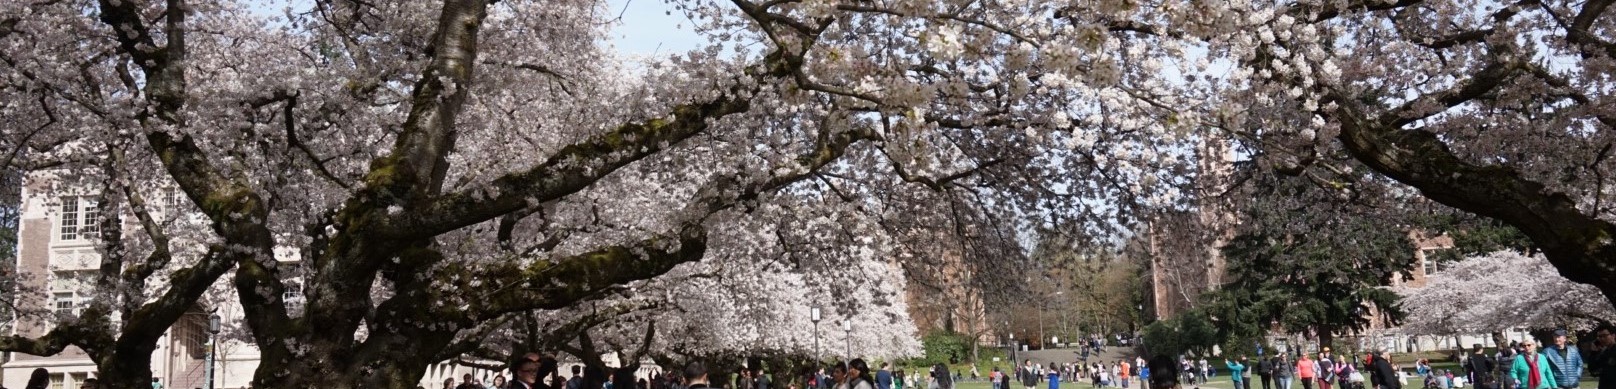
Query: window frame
<point x="77" y="219"/>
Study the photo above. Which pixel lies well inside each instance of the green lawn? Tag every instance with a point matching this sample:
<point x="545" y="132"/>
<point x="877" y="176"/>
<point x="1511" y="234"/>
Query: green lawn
<point x="1216" y="382"/>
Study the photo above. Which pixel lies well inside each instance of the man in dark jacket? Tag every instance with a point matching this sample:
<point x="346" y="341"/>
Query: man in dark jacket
<point x="1029" y="376"/>
<point x="1384" y="376"/>
<point x="1603" y="363"/>
<point x="1265" y="371"/>
<point x="1480" y="368"/>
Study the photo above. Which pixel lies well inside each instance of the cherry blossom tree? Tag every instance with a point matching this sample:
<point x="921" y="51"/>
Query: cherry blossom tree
<point x="1498" y="291"/>
<point x="1495" y="108"/>
<point x="424" y="170"/>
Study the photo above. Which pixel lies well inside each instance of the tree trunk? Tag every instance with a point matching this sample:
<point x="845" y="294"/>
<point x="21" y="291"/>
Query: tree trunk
<point x="1499" y="340"/>
<point x="126" y="368"/>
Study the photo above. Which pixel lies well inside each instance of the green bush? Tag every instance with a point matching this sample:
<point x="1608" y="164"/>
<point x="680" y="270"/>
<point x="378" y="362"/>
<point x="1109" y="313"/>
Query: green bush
<point x="945" y="347"/>
<point x="1189" y="332"/>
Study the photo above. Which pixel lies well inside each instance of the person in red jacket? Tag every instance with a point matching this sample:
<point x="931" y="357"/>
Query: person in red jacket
<point x="1306" y="371"/>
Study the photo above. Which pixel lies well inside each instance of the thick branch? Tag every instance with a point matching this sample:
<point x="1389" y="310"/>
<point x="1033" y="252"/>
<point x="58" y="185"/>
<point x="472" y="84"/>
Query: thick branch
<point x="51" y="344"/>
<point x="559" y="284"/>
<point x="420" y="155"/>
<point x="1579" y="245"/>
<point x="572" y="169"/>
<point x="186" y="286"/>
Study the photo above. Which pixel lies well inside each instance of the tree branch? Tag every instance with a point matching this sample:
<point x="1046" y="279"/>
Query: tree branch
<point x="419" y="161"/>
<point x="1578" y="245"/>
<point x="51" y="344"/>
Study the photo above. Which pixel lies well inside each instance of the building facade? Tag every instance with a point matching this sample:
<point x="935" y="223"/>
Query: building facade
<point x="57" y="256"/>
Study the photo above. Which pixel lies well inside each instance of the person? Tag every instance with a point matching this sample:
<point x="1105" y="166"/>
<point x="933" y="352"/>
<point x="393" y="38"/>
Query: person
<point x="577" y="379"/>
<point x="1265" y="371"/>
<point x="1531" y="368"/>
<point x="90" y="383"/>
<point x="858" y="375"/>
<point x="1326" y="366"/>
<point x="899" y="378"/>
<point x="1603" y="362"/>
<point x="1382" y="375"/>
<point x="1163" y="373"/>
<point x="1235" y="371"/>
<point x="1306" y="370"/>
<point x="1349" y="368"/>
<point x="760" y="380"/>
<point x="156" y="383"/>
<point x="499" y="381"/>
<point x="838" y="374"/>
<point x="1028" y="376"/>
<point x="1144" y="376"/>
<point x="1479" y="368"/>
<point x="525" y="374"/>
<point x="1122" y="373"/>
<point x="1565" y="361"/>
<point x="39" y="379"/>
<point x="467" y="382"/>
<point x="696" y="376"/>
<point x="1282" y="371"/>
<point x="994" y="378"/>
<point x="883" y="378"/>
<point x="1505" y="362"/>
<point x="1054" y="378"/>
<point x="939" y="374"/>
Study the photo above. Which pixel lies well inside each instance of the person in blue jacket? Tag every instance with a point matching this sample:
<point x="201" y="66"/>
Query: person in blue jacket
<point x="1236" y="369"/>
<point x="1054" y="377"/>
<point x="1565" y="362"/>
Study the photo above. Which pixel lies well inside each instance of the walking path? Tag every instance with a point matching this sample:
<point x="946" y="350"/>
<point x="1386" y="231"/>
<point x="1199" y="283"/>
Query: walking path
<point x="1069" y="355"/>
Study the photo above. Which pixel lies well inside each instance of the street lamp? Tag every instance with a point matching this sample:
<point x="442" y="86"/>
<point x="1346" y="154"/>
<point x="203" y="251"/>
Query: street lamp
<point x="813" y="314"/>
<point x="213" y="346"/>
<point x="1013" y="348"/>
<point x="847" y="331"/>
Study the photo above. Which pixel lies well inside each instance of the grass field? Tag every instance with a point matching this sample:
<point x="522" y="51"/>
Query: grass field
<point x="1220" y="382"/>
<point x="1216" y="382"/>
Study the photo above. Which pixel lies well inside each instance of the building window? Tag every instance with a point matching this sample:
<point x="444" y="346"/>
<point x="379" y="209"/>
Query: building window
<point x="66" y="303"/>
<point x="1430" y="266"/>
<point x="293" y="297"/>
<point x="58" y="381"/>
<point x="79" y="218"/>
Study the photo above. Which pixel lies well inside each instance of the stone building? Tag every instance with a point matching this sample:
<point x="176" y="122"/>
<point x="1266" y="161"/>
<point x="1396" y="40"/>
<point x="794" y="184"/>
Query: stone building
<point x="57" y="256"/>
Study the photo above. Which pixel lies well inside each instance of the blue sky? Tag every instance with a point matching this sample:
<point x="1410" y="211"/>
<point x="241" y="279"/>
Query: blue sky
<point x="648" y="28"/>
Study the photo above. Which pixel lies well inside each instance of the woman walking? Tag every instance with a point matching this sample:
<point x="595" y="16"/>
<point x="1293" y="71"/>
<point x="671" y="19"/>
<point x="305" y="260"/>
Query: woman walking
<point x="1306" y="370"/>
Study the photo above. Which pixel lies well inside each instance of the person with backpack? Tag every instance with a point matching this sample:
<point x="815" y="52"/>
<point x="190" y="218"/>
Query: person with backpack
<point x="1327" y="369"/>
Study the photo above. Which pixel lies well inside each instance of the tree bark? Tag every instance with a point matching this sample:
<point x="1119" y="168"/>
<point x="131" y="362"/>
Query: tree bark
<point x="1580" y="245"/>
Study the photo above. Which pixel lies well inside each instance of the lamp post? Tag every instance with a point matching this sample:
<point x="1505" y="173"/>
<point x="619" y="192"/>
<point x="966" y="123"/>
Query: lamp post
<point x="847" y="333"/>
<point x="213" y="346"/>
<point x="813" y="314"/>
<point x="1013" y="348"/>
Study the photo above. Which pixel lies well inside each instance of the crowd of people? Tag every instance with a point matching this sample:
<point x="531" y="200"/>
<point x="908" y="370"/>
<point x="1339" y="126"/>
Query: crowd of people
<point x="1521" y="365"/>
